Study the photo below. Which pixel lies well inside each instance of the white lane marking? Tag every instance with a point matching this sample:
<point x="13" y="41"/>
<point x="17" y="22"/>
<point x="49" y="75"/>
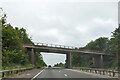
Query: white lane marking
<point x="37" y="74"/>
<point x="59" y="71"/>
<point x="65" y="74"/>
<point x="28" y="74"/>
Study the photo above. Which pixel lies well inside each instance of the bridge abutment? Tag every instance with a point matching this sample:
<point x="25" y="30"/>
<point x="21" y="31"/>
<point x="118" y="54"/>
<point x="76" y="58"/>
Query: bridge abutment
<point x="68" y="60"/>
<point x="98" y="61"/>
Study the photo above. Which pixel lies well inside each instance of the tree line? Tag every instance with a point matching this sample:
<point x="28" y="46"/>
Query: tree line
<point x="103" y="44"/>
<point x="60" y="65"/>
<point x="13" y="39"/>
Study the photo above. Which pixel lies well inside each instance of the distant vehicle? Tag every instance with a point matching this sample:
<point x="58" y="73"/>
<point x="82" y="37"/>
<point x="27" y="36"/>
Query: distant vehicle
<point x="49" y="66"/>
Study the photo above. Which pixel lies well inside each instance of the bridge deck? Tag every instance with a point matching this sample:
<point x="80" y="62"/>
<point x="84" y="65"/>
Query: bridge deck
<point x="63" y="49"/>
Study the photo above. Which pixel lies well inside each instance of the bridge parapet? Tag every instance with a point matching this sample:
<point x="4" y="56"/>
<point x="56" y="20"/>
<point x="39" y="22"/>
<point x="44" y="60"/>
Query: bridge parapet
<point x="54" y="45"/>
<point x="69" y="47"/>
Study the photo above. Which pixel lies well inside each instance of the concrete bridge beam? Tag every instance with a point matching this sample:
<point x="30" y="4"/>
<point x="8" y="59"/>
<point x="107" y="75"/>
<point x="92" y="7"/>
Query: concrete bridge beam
<point x="98" y="61"/>
<point x="68" y="60"/>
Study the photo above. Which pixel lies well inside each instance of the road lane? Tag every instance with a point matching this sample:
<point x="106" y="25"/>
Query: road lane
<point x="56" y="73"/>
<point x="37" y="75"/>
<point x="64" y="73"/>
<point x="52" y="73"/>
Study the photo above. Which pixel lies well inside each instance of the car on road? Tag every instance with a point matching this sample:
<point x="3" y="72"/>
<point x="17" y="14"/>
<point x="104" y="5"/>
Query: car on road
<point x="49" y="66"/>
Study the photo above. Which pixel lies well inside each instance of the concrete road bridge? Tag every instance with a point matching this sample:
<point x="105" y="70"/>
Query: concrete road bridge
<point x="97" y="56"/>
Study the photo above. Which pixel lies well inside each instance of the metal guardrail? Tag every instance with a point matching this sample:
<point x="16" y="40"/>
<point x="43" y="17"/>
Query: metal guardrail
<point x="111" y="73"/>
<point x="13" y="71"/>
<point x="68" y="47"/>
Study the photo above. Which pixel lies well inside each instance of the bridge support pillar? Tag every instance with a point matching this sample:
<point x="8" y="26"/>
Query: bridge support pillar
<point x="68" y="60"/>
<point x="33" y="56"/>
<point x="98" y="61"/>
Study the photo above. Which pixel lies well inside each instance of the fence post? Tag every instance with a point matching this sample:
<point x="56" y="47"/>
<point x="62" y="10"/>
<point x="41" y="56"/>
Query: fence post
<point x="103" y="72"/>
<point x="96" y="71"/>
<point x="109" y="73"/>
<point x="113" y="74"/>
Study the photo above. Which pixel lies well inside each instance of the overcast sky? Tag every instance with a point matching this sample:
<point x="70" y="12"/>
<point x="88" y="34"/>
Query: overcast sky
<point x="71" y="23"/>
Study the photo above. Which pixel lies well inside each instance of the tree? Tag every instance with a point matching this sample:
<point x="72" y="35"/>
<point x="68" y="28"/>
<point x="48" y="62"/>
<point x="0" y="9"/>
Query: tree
<point x="81" y="60"/>
<point x="100" y="44"/>
<point x="115" y="47"/>
<point x="115" y="40"/>
<point x="13" y="40"/>
<point x="59" y="65"/>
<point x="39" y="60"/>
<point x="104" y="44"/>
<point x="10" y="38"/>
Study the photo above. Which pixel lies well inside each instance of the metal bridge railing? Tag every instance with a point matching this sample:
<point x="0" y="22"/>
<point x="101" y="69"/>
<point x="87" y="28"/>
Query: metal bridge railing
<point x="54" y="45"/>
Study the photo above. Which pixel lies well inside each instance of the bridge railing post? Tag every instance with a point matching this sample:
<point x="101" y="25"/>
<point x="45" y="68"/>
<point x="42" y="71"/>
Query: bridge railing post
<point x="55" y="45"/>
<point x="37" y="43"/>
<point x="68" y="47"/>
<point x="51" y="45"/>
<point x="42" y="44"/>
<point x="60" y="46"/>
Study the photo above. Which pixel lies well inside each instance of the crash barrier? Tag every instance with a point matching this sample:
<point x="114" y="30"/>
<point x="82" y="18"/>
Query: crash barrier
<point x="108" y="72"/>
<point x="4" y="73"/>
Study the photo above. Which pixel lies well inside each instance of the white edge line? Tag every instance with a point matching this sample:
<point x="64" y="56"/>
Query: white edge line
<point x="37" y="74"/>
<point x="65" y="74"/>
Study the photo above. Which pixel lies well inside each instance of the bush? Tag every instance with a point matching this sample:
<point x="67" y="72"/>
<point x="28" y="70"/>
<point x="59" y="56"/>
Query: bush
<point x="9" y="57"/>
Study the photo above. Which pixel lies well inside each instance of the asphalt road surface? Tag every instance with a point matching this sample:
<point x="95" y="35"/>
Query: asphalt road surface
<point x="62" y="73"/>
<point x="56" y="73"/>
